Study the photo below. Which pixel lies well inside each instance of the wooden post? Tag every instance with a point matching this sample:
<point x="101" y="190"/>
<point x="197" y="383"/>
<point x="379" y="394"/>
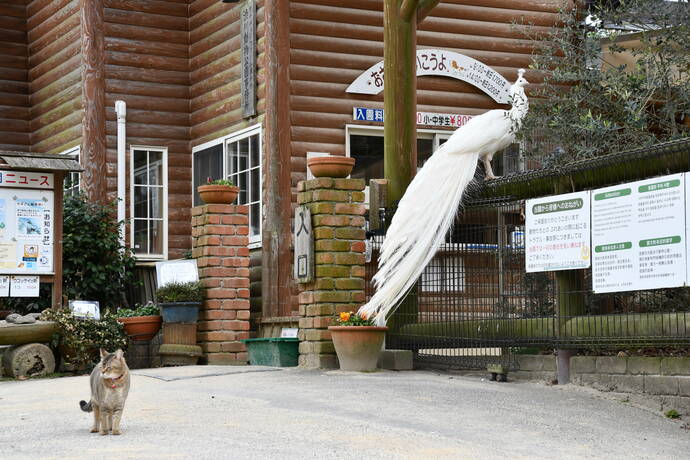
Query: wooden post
<point x="400" y="18"/>
<point x="93" y="100"/>
<point x="276" y="235"/>
<point x="58" y="200"/>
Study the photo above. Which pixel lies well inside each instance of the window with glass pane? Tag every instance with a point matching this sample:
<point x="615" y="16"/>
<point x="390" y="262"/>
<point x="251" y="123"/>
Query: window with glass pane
<point x="148" y="197"/>
<point x="208" y="163"/>
<point x="72" y="178"/>
<point x="243" y="163"/>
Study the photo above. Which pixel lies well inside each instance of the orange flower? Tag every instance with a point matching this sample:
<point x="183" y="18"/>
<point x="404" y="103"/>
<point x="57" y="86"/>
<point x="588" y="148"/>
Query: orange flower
<point x="344" y="316"/>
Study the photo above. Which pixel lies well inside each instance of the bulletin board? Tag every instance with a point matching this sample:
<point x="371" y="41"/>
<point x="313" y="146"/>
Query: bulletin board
<point x="26" y="223"/>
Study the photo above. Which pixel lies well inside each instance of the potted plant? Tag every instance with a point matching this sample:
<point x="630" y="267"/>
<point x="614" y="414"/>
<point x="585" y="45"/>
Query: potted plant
<point x="180" y="302"/>
<point x="220" y="191"/>
<point x="141" y="323"/>
<point x="357" y="342"/>
<point x="331" y="166"/>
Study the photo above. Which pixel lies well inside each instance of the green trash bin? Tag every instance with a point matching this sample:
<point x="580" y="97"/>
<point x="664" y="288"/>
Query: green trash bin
<point x="273" y="351"/>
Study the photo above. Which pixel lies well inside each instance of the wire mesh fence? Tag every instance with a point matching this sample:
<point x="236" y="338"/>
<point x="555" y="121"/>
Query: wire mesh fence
<point x="475" y="304"/>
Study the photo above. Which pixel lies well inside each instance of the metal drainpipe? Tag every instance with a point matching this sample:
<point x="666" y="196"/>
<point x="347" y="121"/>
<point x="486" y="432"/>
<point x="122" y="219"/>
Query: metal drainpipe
<point x="121" y="111"/>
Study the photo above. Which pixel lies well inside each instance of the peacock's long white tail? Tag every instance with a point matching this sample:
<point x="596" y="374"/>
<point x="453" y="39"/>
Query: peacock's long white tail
<point x="419" y="226"/>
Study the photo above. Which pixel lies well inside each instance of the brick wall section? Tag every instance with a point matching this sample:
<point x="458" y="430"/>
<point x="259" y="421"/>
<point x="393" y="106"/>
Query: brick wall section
<point x="337" y="212"/>
<point x="219" y="244"/>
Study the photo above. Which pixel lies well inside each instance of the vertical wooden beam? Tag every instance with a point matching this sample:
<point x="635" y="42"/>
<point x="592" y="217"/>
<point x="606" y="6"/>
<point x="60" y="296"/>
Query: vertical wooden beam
<point x="400" y="98"/>
<point x="93" y="99"/>
<point x="277" y="263"/>
<point x="58" y="197"/>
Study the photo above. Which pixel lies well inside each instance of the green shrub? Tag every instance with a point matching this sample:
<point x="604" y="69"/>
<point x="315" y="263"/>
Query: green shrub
<point x="180" y="292"/>
<point x="96" y="266"/>
<point x="219" y="182"/>
<point x="79" y="339"/>
<point x="150" y="309"/>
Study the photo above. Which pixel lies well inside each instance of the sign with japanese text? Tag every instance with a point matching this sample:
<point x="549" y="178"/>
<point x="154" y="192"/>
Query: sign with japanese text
<point x="26" y="223"/>
<point x="248" y="43"/>
<point x="304" y="246"/>
<point x="449" y="120"/>
<point x="441" y="63"/>
<point x="557" y="233"/>
<point x="27" y="179"/>
<point x="24" y="286"/>
<point x="638" y="235"/>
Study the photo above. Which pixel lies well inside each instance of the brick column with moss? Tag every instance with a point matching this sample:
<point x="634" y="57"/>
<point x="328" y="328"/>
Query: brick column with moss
<point x="337" y="212"/>
<point x="219" y="244"/>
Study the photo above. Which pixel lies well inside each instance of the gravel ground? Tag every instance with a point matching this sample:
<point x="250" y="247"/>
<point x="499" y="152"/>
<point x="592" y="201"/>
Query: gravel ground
<point x="210" y="412"/>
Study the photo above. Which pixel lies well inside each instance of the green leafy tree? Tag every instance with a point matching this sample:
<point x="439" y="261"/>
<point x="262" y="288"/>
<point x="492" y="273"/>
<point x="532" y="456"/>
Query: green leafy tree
<point x="591" y="104"/>
<point x="96" y="266"/>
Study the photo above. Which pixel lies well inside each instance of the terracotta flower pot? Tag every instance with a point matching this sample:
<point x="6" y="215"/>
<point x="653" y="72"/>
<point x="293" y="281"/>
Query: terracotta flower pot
<point x="141" y="327"/>
<point x="220" y="194"/>
<point x="358" y="347"/>
<point x="331" y="166"/>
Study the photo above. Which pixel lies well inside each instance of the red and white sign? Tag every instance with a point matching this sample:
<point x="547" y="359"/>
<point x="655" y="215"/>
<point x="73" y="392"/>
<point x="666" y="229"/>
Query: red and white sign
<point x="27" y="179"/>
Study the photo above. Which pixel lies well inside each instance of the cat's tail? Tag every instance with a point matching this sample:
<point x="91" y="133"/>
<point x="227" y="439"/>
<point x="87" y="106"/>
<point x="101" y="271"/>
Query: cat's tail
<point x="85" y="406"/>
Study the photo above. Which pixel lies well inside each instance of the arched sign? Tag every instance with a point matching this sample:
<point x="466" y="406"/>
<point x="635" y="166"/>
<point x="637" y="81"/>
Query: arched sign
<point x="445" y="64"/>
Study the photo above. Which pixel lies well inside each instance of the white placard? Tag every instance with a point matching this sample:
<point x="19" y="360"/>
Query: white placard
<point x="557" y="233"/>
<point x="638" y="235"/>
<point x="85" y="309"/>
<point x="441" y="63"/>
<point x="4" y="286"/>
<point x="289" y="332"/>
<point x="179" y="271"/>
<point x="24" y="286"/>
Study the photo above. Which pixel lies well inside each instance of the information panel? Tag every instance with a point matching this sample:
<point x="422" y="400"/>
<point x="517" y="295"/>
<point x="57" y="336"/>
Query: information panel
<point x="26" y="223"/>
<point x="638" y="235"/>
<point x="557" y="233"/>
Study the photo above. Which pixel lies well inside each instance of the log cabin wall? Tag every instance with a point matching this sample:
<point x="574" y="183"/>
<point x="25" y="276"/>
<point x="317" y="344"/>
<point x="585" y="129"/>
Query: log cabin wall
<point x="147" y="66"/>
<point x="53" y="32"/>
<point x="14" y="86"/>
<point x="215" y="69"/>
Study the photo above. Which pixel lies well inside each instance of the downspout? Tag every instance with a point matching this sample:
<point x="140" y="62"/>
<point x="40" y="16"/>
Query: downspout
<point x="121" y="111"/>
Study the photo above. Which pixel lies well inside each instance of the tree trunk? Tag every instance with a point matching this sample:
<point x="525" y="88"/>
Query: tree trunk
<point x="400" y="99"/>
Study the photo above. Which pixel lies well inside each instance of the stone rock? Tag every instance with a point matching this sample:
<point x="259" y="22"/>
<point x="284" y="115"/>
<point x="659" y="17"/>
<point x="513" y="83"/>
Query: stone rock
<point x="28" y="319"/>
<point x="12" y="318"/>
<point x="30" y="360"/>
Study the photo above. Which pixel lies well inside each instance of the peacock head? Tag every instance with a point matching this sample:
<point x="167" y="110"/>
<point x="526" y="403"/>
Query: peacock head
<point x="521" y="82"/>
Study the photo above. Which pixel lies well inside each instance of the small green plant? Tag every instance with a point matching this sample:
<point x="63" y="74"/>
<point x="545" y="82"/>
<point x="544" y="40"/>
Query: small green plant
<point x="352" y="319"/>
<point x="150" y="309"/>
<point x="672" y="413"/>
<point x="210" y="181"/>
<point x="79" y="339"/>
<point x="180" y="292"/>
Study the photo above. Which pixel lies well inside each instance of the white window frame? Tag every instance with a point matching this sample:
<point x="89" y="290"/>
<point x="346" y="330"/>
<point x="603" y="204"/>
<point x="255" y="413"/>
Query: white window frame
<point x="254" y="240"/>
<point x="74" y="152"/>
<point x="164" y="151"/>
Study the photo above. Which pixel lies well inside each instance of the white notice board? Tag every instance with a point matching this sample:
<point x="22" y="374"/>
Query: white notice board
<point x="26" y="225"/>
<point x="557" y="232"/>
<point x="639" y="234"/>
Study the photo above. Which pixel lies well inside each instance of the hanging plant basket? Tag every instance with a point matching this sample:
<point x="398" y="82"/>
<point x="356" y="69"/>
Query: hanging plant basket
<point x="358" y="347"/>
<point x="218" y="194"/>
<point x="331" y="166"/>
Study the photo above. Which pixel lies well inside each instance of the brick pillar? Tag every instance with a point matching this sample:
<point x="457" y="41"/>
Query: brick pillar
<point x="219" y="244"/>
<point x="337" y="212"/>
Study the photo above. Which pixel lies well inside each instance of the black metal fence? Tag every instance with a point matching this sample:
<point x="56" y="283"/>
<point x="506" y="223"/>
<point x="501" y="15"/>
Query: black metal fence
<point x="475" y="305"/>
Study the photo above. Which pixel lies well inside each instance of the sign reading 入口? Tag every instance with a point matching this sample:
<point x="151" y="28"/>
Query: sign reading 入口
<point x="304" y="245"/>
<point x="557" y="233"/>
<point x="638" y="235"/>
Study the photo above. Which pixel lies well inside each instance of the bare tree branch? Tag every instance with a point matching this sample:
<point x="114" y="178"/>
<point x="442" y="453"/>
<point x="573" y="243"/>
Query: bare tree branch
<point x="424" y="8"/>
<point x="408" y="8"/>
